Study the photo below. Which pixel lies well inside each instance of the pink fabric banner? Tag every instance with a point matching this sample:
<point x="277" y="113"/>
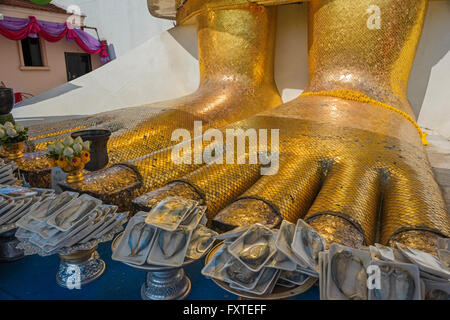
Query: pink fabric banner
<point x="18" y="29"/>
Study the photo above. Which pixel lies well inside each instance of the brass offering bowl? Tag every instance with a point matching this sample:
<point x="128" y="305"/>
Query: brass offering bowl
<point x="74" y="172"/>
<point x="14" y="150"/>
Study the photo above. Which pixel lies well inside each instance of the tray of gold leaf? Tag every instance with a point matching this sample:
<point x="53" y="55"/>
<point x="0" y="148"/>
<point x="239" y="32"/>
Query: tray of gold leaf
<point x="278" y="292"/>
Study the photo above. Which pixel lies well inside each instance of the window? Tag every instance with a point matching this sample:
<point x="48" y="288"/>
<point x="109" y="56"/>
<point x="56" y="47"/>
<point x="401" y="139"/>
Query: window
<point x="32" y="55"/>
<point x="31" y="51"/>
<point x="77" y="65"/>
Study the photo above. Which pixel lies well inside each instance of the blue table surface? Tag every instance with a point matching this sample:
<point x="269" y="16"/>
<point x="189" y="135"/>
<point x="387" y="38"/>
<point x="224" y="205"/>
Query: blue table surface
<point x="34" y="278"/>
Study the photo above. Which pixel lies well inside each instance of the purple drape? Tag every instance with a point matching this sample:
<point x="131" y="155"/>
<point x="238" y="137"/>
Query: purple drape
<point x="18" y="29"/>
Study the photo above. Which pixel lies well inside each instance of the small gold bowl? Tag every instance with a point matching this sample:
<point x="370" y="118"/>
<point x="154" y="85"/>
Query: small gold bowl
<point x="14" y="150"/>
<point x="74" y="171"/>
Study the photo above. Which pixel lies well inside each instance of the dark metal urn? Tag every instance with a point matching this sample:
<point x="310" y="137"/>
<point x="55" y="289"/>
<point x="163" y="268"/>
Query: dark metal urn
<point x="99" y="150"/>
<point x="6" y="100"/>
<point x="6" y="105"/>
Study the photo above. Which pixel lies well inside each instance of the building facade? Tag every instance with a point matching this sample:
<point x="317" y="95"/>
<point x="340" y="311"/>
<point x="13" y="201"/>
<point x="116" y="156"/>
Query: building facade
<point x="33" y="65"/>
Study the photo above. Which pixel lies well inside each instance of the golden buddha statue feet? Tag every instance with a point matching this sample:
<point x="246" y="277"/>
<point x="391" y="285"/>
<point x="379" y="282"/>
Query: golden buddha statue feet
<point x="236" y="53"/>
<point x="351" y="160"/>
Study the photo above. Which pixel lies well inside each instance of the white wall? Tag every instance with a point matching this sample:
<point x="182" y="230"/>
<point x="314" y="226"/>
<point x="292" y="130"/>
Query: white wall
<point x="123" y="23"/>
<point x="161" y="68"/>
<point x="429" y="89"/>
